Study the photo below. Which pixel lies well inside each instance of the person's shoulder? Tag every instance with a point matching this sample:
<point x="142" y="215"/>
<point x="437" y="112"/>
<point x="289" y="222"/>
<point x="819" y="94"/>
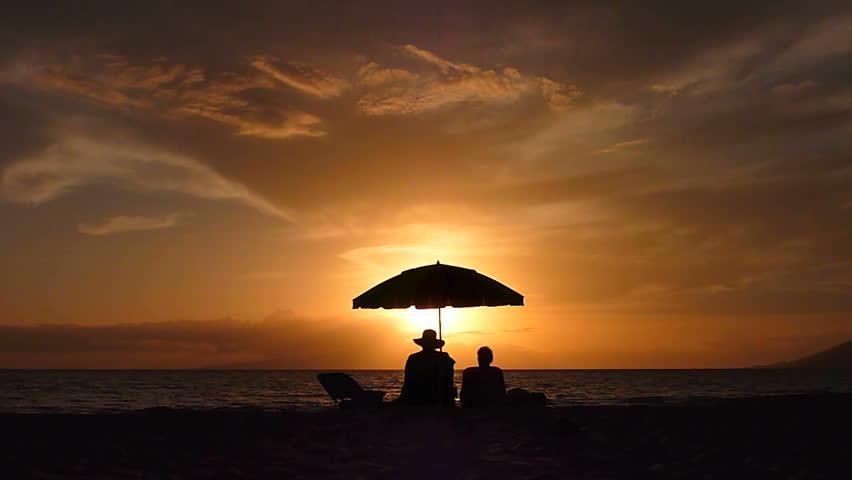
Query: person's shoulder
<point x="447" y="357"/>
<point x="470" y="370"/>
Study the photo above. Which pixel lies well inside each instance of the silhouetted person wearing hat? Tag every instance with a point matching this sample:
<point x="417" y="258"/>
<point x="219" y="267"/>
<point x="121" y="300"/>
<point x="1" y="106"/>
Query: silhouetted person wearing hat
<point x="483" y="386"/>
<point x="428" y="374"/>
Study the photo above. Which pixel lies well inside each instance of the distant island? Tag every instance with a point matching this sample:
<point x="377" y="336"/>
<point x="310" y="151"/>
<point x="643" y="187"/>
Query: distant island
<point x="839" y="356"/>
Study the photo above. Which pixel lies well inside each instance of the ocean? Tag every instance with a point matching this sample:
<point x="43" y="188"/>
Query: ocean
<point x="97" y="391"/>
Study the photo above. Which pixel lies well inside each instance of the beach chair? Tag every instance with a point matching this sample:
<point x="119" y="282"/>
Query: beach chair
<point x="346" y="392"/>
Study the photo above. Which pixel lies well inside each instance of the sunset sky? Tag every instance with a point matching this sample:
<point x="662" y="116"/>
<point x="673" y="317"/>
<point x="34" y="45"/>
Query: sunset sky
<point x="667" y="184"/>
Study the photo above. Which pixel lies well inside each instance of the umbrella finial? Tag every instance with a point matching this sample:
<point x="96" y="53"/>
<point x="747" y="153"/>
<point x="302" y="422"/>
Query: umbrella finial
<point x="438" y="262"/>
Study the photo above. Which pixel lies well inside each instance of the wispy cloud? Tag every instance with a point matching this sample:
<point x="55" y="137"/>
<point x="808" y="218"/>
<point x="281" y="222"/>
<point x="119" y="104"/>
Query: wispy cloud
<point x="472" y="332"/>
<point x="518" y="330"/>
<point x="372" y="75"/>
<point x="171" y="89"/>
<point x="450" y="83"/>
<point x="75" y="162"/>
<point x="302" y="77"/>
<point x="129" y="223"/>
<point x="230" y="98"/>
<point x="291" y="124"/>
<point x="615" y="147"/>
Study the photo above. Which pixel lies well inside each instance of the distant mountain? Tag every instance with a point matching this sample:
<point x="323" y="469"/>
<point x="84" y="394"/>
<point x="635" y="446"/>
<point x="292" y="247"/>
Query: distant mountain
<point x="839" y="356"/>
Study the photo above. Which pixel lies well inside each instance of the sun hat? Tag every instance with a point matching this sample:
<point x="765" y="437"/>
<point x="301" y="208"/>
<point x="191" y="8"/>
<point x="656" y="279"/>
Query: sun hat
<point x="429" y="339"/>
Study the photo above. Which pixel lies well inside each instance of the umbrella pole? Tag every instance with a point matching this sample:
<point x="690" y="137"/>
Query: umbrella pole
<point x="440" y="335"/>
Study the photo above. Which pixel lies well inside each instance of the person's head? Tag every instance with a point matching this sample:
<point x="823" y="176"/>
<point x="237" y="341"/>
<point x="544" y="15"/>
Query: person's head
<point x="485" y="356"/>
<point x="429" y="340"/>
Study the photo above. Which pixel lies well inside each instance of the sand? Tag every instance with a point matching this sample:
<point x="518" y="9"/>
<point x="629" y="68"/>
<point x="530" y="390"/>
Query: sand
<point x="805" y="437"/>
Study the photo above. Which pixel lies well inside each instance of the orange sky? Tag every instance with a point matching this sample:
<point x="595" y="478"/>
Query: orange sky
<point x="666" y="190"/>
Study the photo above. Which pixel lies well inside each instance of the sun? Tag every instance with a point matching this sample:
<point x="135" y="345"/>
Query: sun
<point x="421" y="319"/>
<point x="452" y="319"/>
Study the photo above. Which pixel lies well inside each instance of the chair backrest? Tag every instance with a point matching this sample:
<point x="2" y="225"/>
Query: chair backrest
<point x="339" y="385"/>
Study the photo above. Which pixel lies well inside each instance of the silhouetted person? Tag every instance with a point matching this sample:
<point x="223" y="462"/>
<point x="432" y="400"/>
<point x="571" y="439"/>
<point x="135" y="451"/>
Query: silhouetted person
<point x="483" y="386"/>
<point x="428" y="374"/>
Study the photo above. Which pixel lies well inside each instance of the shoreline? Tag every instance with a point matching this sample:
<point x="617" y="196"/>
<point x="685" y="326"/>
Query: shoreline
<point x="639" y="401"/>
<point x="793" y="436"/>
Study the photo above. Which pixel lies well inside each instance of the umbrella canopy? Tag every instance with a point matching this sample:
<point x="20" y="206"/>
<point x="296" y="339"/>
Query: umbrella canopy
<point x="438" y="286"/>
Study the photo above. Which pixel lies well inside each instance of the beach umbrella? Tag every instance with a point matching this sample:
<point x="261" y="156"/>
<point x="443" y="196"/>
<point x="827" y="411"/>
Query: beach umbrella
<point x="438" y="286"/>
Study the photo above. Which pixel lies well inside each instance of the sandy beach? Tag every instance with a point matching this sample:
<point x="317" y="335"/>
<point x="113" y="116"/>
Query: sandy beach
<point x="803" y="437"/>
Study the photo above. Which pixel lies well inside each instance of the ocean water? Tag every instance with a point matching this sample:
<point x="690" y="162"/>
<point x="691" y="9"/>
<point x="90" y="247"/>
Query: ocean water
<point x="93" y="391"/>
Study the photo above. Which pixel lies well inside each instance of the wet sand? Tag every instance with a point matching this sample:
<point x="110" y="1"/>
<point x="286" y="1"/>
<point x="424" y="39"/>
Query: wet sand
<point x="805" y="437"/>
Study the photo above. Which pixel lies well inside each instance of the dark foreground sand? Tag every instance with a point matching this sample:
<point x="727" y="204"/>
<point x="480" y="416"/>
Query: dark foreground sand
<point x="806" y="437"/>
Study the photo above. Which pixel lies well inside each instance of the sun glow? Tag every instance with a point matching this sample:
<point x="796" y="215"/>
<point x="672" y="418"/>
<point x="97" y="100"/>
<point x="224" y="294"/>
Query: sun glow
<point x="453" y="320"/>
<point x="422" y="318"/>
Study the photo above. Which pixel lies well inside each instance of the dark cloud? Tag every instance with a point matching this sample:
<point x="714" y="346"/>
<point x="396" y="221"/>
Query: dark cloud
<point x="292" y="341"/>
<point x="22" y="128"/>
<point x="281" y="340"/>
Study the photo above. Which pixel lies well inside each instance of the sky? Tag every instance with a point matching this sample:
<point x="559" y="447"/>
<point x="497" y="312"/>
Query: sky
<point x="669" y="184"/>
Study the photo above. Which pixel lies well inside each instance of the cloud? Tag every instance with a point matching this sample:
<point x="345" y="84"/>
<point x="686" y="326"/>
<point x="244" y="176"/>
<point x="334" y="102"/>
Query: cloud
<point x="283" y="339"/>
<point x="291" y="124"/>
<point x="476" y="333"/>
<point x="75" y="162"/>
<point x="734" y="248"/>
<point x="623" y="145"/>
<point x="763" y="56"/>
<point x="128" y="223"/>
<point x="829" y="38"/>
<point x="302" y="77"/>
<point x="373" y="75"/>
<point x="518" y="330"/>
<point x="746" y="109"/>
<point x="174" y="90"/>
<point x="401" y="92"/>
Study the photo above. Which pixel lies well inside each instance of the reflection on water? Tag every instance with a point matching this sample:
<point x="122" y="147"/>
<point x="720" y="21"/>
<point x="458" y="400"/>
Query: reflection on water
<point x="33" y="391"/>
